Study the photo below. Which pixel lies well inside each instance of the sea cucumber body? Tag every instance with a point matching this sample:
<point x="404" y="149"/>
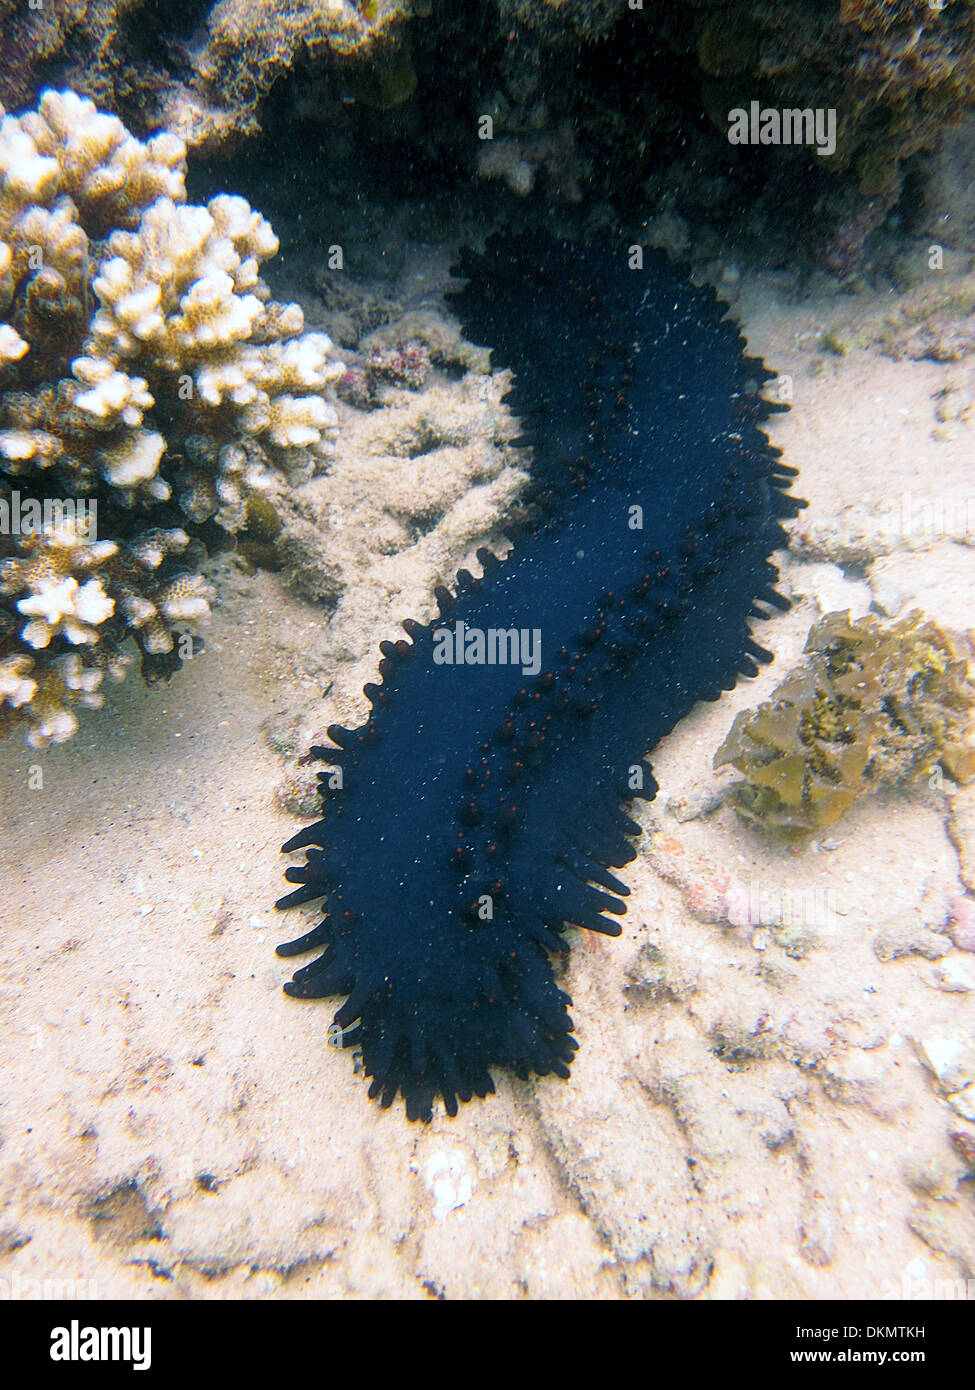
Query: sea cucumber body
<point x="480" y="809"/>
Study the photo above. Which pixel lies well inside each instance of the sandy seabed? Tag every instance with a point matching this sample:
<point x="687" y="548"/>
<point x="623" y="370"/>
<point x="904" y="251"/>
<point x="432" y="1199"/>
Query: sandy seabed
<point x="756" y="1109"/>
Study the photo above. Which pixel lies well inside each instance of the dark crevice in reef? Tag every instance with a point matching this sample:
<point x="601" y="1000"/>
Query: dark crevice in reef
<point x="639" y="97"/>
<point x="319" y="140"/>
<point x="635" y="119"/>
<point x="159" y="35"/>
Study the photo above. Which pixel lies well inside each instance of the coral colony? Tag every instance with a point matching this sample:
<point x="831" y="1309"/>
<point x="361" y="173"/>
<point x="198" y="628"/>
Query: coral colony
<point x="146" y="379"/>
<point x="874" y="706"/>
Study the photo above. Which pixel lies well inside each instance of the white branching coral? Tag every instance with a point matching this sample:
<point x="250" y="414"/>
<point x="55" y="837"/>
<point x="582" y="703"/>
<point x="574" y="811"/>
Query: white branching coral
<point x="112" y="395"/>
<point x="135" y="460"/>
<point x="90" y="156"/>
<point x="16" y="686"/>
<point x="67" y="607"/>
<point x="142" y="363"/>
<point x="12" y="345"/>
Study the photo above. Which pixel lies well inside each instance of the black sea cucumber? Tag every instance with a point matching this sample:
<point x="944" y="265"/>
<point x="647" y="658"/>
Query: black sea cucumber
<point x="479" y="808"/>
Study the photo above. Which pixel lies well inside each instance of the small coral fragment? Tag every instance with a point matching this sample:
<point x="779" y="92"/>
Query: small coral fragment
<point x="875" y="705"/>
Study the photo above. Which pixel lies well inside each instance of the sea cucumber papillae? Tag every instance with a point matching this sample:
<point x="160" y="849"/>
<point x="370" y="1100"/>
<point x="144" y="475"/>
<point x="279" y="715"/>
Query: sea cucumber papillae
<point x="480" y="809"/>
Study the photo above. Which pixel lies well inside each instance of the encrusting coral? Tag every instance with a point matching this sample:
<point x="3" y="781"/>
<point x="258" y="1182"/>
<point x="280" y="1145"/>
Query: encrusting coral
<point x="875" y="705"/>
<point x="148" y="385"/>
<point x="202" y="67"/>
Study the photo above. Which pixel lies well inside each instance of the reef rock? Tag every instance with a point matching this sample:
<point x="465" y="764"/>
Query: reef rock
<point x="203" y="69"/>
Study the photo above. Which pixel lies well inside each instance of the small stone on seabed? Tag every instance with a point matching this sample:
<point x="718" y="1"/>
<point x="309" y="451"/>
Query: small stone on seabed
<point x="961" y="923"/>
<point x="908" y="939"/>
<point x="963" y="1102"/>
<point x="862" y="1078"/>
<point x="928" y="1175"/>
<point x="829" y="587"/>
<point x="953" y="977"/>
<point x="950" y="1059"/>
<point x="695" y="804"/>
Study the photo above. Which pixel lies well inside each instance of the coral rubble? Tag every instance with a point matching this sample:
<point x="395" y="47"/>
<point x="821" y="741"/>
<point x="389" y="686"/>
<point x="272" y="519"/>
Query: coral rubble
<point x="148" y="385"/>
<point x="874" y="705"/>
